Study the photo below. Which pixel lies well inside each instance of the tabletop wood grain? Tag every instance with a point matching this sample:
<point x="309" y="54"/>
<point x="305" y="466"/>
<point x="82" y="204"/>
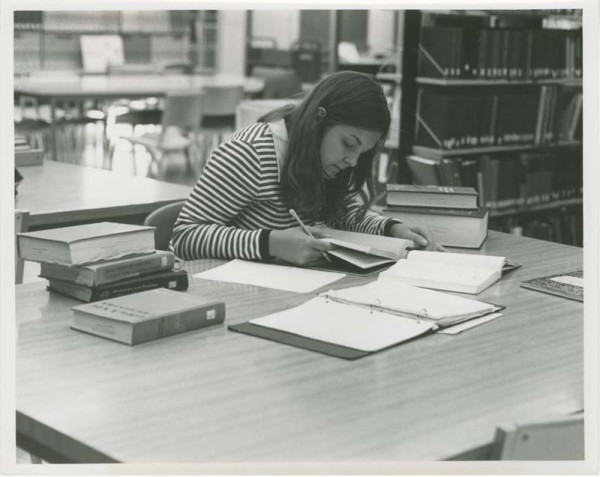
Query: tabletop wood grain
<point x="56" y="193"/>
<point x="219" y="396"/>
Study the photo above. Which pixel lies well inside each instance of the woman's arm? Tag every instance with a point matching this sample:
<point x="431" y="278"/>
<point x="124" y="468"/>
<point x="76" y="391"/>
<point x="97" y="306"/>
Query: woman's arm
<point x="229" y="183"/>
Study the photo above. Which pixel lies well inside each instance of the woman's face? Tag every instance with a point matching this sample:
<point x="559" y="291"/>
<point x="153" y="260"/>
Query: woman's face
<point x="342" y="145"/>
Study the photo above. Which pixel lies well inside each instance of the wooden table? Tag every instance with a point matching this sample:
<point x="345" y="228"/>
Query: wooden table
<point x="218" y="396"/>
<point x="57" y="194"/>
<point x="56" y="89"/>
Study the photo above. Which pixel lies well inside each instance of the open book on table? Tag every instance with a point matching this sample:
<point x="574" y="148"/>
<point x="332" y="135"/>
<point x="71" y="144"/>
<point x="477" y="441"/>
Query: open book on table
<point x="364" y="254"/>
<point x="354" y="322"/>
<point x="457" y="272"/>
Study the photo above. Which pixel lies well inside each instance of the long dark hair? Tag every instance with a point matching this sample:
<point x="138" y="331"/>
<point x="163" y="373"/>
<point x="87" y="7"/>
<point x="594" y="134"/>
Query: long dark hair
<point x="348" y="98"/>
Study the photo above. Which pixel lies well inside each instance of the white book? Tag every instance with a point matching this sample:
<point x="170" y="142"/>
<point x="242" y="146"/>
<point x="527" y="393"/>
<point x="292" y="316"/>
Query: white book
<point x="458" y="272"/>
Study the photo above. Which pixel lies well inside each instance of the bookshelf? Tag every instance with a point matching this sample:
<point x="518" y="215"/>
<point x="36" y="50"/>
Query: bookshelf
<point x="50" y="40"/>
<point x="493" y="99"/>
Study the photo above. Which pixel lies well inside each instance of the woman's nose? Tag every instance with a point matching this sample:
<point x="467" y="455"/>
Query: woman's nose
<point x="351" y="159"/>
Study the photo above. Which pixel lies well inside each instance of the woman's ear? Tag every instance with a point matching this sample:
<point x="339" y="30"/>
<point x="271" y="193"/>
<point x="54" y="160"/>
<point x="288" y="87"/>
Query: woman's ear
<point x="320" y="115"/>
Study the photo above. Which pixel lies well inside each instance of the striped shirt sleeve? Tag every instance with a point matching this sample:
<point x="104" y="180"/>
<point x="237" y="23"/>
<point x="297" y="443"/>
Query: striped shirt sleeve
<point x="372" y="223"/>
<point x="229" y="183"/>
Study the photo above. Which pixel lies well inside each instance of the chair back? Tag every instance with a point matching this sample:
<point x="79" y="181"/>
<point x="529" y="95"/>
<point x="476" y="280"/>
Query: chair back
<point x="183" y="109"/>
<point x="559" y="438"/>
<point x="21" y="225"/>
<point x="279" y="82"/>
<point x="221" y="100"/>
<point x="163" y="219"/>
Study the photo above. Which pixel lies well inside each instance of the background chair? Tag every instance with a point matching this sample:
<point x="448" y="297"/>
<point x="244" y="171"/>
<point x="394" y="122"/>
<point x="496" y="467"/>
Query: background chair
<point x="279" y="82"/>
<point x="163" y="219"/>
<point x="553" y="439"/>
<point x="180" y="122"/>
<point x="21" y="219"/>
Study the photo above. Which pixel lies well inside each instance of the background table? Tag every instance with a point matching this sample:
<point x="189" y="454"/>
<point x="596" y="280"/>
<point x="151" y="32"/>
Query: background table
<point x="219" y="396"/>
<point x="57" y="194"/>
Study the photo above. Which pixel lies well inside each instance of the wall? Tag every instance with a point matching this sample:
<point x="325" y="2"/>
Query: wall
<point x="380" y="30"/>
<point x="282" y="25"/>
<point x="231" y="50"/>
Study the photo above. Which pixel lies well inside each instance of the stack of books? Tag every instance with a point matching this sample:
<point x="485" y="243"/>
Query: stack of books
<point x="99" y="261"/>
<point x="451" y="213"/>
<point x="27" y="153"/>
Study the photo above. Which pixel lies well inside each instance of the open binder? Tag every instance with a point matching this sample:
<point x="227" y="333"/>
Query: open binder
<point x="358" y="321"/>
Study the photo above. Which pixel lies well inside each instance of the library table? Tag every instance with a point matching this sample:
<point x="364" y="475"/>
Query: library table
<point x="58" y="194"/>
<point x="55" y="89"/>
<point x="216" y="396"/>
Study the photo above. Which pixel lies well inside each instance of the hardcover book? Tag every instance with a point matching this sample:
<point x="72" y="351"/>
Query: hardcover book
<point x="452" y="227"/>
<point x="80" y="244"/>
<point x="568" y="285"/>
<point x="109" y="271"/>
<point x="173" y="279"/>
<point x="432" y="196"/>
<point x="148" y="315"/>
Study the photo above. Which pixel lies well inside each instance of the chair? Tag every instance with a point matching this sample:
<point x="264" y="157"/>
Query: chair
<point x="279" y="82"/>
<point x="163" y="219"/>
<point x="179" y="126"/>
<point x="21" y="219"/>
<point x="551" y="439"/>
<point x="218" y="115"/>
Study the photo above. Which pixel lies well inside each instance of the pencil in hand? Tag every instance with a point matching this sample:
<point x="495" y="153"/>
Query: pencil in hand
<point x="306" y="231"/>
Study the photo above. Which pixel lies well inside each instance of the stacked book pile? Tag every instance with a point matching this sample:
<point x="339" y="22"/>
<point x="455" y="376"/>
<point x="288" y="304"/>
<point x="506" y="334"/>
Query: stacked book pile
<point x="99" y="261"/>
<point x="27" y="153"/>
<point x="451" y="213"/>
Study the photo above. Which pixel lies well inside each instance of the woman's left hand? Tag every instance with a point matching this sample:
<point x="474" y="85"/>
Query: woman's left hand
<point x="421" y="236"/>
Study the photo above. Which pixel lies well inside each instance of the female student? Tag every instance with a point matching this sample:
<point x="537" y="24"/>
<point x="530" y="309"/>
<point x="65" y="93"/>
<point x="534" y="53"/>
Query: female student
<point x="315" y="158"/>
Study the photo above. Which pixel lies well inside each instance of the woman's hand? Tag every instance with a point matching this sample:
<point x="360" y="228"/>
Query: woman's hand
<point x="421" y="236"/>
<point x="294" y="246"/>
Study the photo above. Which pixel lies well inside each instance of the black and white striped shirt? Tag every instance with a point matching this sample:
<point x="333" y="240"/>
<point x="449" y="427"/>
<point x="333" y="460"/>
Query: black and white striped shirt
<point x="238" y="200"/>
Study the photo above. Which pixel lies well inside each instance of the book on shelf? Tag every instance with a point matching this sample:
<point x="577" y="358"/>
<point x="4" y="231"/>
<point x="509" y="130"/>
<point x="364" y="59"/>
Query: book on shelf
<point x="568" y="284"/>
<point x="457" y="272"/>
<point x="171" y="279"/>
<point x="431" y="196"/>
<point x="148" y="315"/>
<point x="451" y="227"/>
<point x="108" y="271"/>
<point x="80" y="244"/>
<point x="355" y="322"/>
<point x="363" y="253"/>
<point x="469" y="50"/>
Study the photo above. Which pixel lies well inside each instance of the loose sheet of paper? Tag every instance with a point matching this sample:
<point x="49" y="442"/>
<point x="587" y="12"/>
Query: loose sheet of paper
<point x="345" y="325"/>
<point x="454" y="330"/>
<point x="280" y="277"/>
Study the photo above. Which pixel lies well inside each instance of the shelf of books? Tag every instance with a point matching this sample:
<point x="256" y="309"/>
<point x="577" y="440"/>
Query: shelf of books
<point x="498" y="107"/>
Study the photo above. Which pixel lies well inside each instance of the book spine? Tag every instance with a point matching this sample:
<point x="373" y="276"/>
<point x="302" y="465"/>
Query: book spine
<point x="111" y="329"/>
<point x="76" y="275"/>
<point x="109" y="273"/>
<point x="173" y="282"/>
<point x="179" y="323"/>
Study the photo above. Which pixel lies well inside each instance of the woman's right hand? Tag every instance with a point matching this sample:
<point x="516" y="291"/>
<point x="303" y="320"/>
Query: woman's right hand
<point x="294" y="246"/>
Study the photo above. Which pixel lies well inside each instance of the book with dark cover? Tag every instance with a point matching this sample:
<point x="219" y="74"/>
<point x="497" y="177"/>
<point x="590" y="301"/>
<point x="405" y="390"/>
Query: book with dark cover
<point x="148" y="315"/>
<point x="109" y="271"/>
<point x="432" y="196"/>
<point x="568" y="285"/>
<point x="424" y="170"/>
<point x="87" y="243"/>
<point x="172" y="279"/>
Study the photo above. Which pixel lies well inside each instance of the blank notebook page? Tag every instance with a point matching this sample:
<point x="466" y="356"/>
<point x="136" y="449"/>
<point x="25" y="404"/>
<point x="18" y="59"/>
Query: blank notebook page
<point x="344" y="325"/>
